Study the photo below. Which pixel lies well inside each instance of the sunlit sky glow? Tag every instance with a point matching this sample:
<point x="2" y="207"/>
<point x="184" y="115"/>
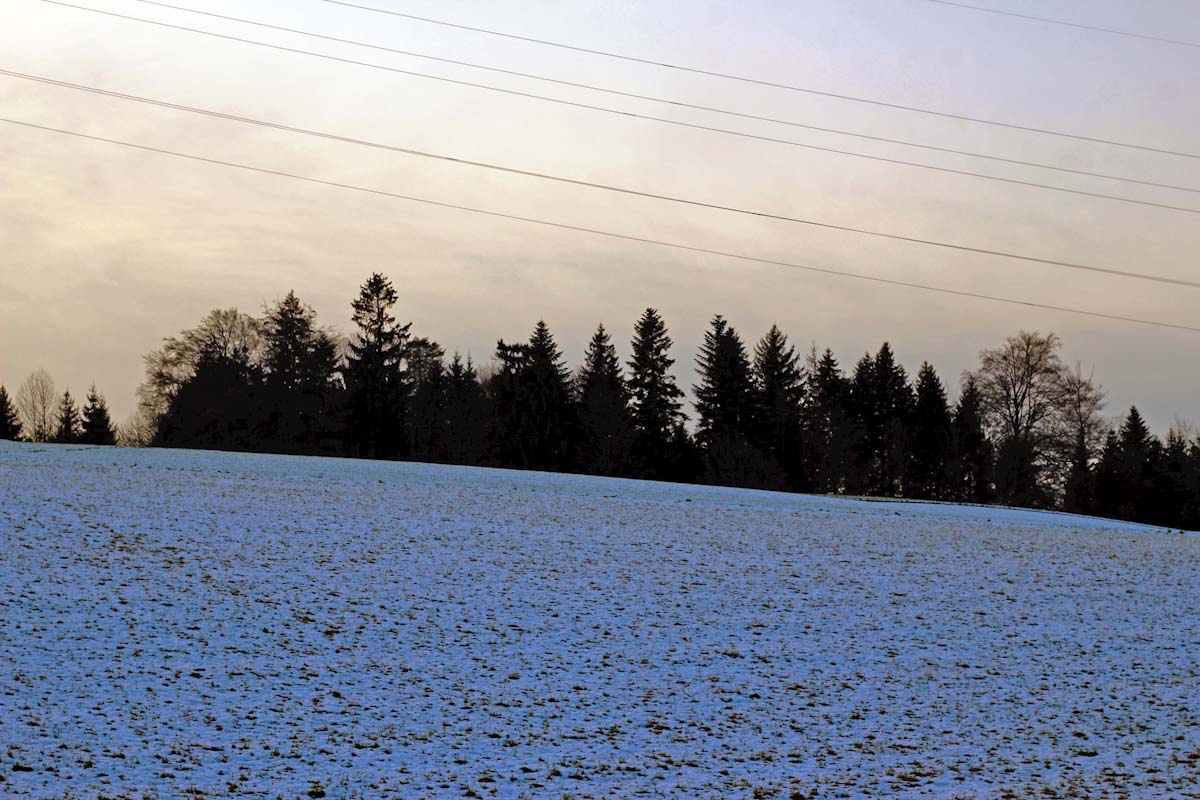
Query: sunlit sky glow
<point x="105" y="250"/>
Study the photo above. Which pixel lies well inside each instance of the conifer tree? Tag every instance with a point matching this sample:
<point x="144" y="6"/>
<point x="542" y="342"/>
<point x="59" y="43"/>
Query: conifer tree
<point x="97" y="424"/>
<point x="606" y="435"/>
<point x="1111" y="486"/>
<point x="467" y="412"/>
<point x="655" y="399"/>
<point x="68" y="429"/>
<point x="779" y="389"/>
<point x="300" y="361"/>
<point x="10" y="422"/>
<point x="725" y="395"/>
<point x="829" y="428"/>
<point x="882" y="401"/>
<point x="374" y="373"/>
<point x="930" y="439"/>
<point x="971" y="464"/>
<point x="536" y="421"/>
<point x="1079" y="494"/>
<point x="428" y="387"/>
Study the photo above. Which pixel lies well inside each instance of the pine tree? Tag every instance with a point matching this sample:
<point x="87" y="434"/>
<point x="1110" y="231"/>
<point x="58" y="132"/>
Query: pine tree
<point x="68" y="429"/>
<point x="10" y="422"/>
<point x="1111" y="487"/>
<point x="97" y="425"/>
<point x="829" y="429"/>
<point x="301" y="368"/>
<point x="467" y="413"/>
<point x="725" y="395"/>
<point x="779" y="386"/>
<point x="971" y="464"/>
<point x="374" y="373"/>
<point x="1139" y="467"/>
<point x="428" y="425"/>
<point x="606" y="424"/>
<point x="1079" y="494"/>
<point x="536" y="421"/>
<point x="655" y="400"/>
<point x="726" y="404"/>
<point x="930" y="439"/>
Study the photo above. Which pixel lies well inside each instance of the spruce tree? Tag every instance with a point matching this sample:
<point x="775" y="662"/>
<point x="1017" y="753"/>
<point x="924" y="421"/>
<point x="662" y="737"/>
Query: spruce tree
<point x="726" y="404"/>
<point x="930" y="439"/>
<point x="1079" y="493"/>
<point x="1111" y="486"/>
<point x="725" y="401"/>
<point x="427" y="422"/>
<point x="536" y="422"/>
<point x="779" y="389"/>
<point x="606" y="434"/>
<point x="374" y="373"/>
<point x="972" y="461"/>
<point x="829" y="429"/>
<point x="97" y="424"/>
<point x="10" y="421"/>
<point x="68" y="428"/>
<point x="655" y="399"/>
<point x="301" y="377"/>
<point x="467" y="413"/>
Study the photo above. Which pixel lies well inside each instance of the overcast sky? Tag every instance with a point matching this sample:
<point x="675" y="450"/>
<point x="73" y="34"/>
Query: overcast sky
<point x="105" y="250"/>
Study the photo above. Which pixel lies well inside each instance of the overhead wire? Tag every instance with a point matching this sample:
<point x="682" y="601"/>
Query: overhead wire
<point x="1067" y="23"/>
<point x="764" y="82"/>
<point x="648" y="194"/>
<point x="610" y="234"/>
<point x="632" y="95"/>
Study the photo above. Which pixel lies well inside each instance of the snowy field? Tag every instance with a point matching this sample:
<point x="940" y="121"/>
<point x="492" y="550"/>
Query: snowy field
<point x="182" y="625"/>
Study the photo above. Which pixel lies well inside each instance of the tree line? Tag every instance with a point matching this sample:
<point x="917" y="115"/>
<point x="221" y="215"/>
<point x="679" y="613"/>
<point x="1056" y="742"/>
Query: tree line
<point x="1025" y="429"/>
<point x="38" y="414"/>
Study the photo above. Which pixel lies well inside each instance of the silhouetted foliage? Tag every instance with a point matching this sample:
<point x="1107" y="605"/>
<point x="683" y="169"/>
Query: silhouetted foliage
<point x="10" y="422"/>
<point x="1024" y="430"/>
<point x="656" y="403"/>
<point x="536" y="421"/>
<point x="69" y="426"/>
<point x="778" y="424"/>
<point x="606" y="425"/>
<point x="374" y="374"/>
<point x="97" y="425"/>
<point x="931" y="435"/>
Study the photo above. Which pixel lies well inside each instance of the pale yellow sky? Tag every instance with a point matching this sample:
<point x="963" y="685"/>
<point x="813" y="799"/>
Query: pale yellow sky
<point x="105" y="250"/>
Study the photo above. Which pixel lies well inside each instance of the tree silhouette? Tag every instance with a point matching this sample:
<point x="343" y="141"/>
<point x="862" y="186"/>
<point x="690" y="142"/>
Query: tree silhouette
<point x="536" y="421"/>
<point x="972" y="461"/>
<point x="779" y="390"/>
<point x="930" y="439"/>
<point x="97" y="425"/>
<point x="373" y="374"/>
<point x="36" y="404"/>
<point x="68" y="428"/>
<point x="467" y="412"/>
<point x="300" y="362"/>
<point x="829" y="428"/>
<point x="655" y="401"/>
<point x="606" y="425"/>
<point x="10" y="423"/>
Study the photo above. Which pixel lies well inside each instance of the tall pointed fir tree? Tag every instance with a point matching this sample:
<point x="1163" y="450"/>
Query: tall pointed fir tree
<point x="726" y="406"/>
<point x="1139" y="465"/>
<point x="374" y="373"/>
<point x="779" y="386"/>
<point x="884" y="419"/>
<point x="97" y="424"/>
<point x="427" y="423"/>
<point x="69" y="427"/>
<point x="972" y="461"/>
<point x="536" y="423"/>
<point x="656" y="402"/>
<point x="467" y="412"/>
<point x="10" y="421"/>
<point x="606" y="427"/>
<point x="301" y="380"/>
<point x="929" y="442"/>
<point x="828" y="426"/>
<point x="1079" y="491"/>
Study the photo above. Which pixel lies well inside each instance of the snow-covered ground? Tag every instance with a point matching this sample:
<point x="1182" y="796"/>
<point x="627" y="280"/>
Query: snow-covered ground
<point x="178" y="624"/>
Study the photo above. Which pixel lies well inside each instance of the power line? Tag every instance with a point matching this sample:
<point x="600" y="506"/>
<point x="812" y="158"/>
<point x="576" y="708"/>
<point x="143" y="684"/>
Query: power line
<point x="762" y="82"/>
<point x="599" y="232"/>
<point x="619" y="93"/>
<point x="635" y="192"/>
<point x="1067" y="23"/>
<point x="1013" y="181"/>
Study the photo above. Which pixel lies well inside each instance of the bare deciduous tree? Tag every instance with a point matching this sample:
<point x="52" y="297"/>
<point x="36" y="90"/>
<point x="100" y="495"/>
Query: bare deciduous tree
<point x="36" y="402"/>
<point x="1021" y="385"/>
